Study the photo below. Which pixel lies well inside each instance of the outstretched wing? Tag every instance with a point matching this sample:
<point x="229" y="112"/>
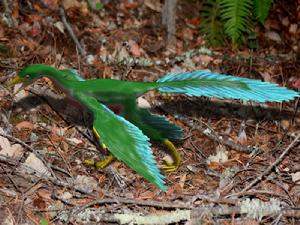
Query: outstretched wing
<point x="210" y="84"/>
<point x="124" y="140"/>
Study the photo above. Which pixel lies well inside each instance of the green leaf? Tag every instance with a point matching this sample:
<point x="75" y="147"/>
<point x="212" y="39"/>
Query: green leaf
<point x="261" y="9"/>
<point x="236" y="15"/>
<point x="99" y="6"/>
<point x="211" y="24"/>
<point x="43" y="221"/>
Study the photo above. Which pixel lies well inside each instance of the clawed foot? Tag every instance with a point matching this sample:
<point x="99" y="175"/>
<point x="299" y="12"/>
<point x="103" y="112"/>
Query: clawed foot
<point x="176" y="158"/>
<point x="169" y="168"/>
<point x="99" y="164"/>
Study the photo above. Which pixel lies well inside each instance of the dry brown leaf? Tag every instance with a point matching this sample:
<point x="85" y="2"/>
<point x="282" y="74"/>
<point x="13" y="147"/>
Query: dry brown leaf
<point x="39" y="203"/>
<point x="32" y="18"/>
<point x="60" y="26"/>
<point x="85" y="183"/>
<point x="154" y="5"/>
<point x="76" y="6"/>
<point x="293" y="29"/>
<point x="296" y="177"/>
<point x="6" y="217"/>
<point x="182" y="180"/>
<point x="36" y="164"/>
<point x="52" y="4"/>
<point x="15" y="151"/>
<point x="25" y="125"/>
<point x="1" y="31"/>
<point x="245" y="222"/>
<point x="134" y="48"/>
<point x="285" y="124"/>
<point x="36" y="29"/>
<point x="70" y="4"/>
<point x="15" y="9"/>
<point x="188" y="34"/>
<point x="266" y="76"/>
<point x="205" y="60"/>
<point x="285" y="21"/>
<point x="143" y="103"/>
<point x="296" y="84"/>
<point x="146" y="195"/>
<point x="44" y="193"/>
<point x="274" y="36"/>
<point x="242" y="138"/>
<point x="197" y="179"/>
<point x="29" y="43"/>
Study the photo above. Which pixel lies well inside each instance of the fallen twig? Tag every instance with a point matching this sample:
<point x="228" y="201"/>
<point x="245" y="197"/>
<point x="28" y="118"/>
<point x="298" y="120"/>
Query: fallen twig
<point x="33" y="172"/>
<point x="211" y="134"/>
<point x="194" y="216"/>
<point x="269" y="169"/>
<point x="150" y="203"/>
<point x="70" y="30"/>
<point x="30" y="149"/>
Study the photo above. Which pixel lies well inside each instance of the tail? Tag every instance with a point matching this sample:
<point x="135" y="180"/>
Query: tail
<point x="209" y="84"/>
<point x="167" y="129"/>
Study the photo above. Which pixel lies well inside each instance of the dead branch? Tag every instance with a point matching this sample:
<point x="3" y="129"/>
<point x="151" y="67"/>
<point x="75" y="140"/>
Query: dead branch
<point x="71" y="32"/>
<point x="270" y="168"/>
<point x="169" y="20"/>
<point x="211" y="134"/>
<point x="194" y="216"/>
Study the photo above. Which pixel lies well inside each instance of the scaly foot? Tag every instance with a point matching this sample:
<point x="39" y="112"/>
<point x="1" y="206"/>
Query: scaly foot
<point x="171" y="167"/>
<point x="99" y="164"/>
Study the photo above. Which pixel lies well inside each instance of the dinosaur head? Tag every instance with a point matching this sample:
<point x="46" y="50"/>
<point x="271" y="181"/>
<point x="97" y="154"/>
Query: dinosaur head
<point x="28" y="75"/>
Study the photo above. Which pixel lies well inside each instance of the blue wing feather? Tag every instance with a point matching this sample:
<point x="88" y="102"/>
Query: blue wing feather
<point x="124" y="140"/>
<point x="209" y="84"/>
<point x="161" y="124"/>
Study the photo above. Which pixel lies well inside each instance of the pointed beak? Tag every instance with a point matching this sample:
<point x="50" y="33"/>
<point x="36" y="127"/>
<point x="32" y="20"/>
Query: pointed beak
<point x="16" y="80"/>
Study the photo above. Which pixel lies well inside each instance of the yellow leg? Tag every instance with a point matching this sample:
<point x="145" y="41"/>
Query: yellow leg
<point x="99" y="164"/>
<point x="175" y="156"/>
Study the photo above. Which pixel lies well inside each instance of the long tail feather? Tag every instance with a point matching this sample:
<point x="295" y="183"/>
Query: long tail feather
<point x="161" y="124"/>
<point x="209" y="84"/>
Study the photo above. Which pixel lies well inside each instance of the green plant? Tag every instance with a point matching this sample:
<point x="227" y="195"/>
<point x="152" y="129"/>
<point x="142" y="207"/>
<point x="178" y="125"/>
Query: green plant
<point x="261" y="9"/>
<point x="234" y="18"/>
<point x="211" y="24"/>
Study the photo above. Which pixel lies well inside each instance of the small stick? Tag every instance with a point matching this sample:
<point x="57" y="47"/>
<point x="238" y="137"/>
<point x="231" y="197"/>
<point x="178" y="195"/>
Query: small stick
<point x="30" y="149"/>
<point x="70" y="30"/>
<point x="269" y="169"/>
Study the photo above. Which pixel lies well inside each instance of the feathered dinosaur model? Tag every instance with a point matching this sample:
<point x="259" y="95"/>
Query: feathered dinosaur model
<point x="127" y="136"/>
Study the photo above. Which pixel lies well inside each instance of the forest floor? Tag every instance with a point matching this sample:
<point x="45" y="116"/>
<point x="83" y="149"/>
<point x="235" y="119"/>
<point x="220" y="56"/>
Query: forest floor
<point x="235" y="155"/>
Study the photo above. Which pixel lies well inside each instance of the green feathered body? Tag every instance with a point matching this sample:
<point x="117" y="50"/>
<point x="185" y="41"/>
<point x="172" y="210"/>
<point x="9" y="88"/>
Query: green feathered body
<point x="125" y="136"/>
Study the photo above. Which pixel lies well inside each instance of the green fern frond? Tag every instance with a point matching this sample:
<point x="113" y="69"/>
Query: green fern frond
<point x="261" y="9"/>
<point x="211" y="24"/>
<point x="236" y="15"/>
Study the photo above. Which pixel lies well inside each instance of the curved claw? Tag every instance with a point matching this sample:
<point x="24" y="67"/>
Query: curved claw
<point x="101" y="164"/>
<point x="89" y="162"/>
<point x="171" y="167"/>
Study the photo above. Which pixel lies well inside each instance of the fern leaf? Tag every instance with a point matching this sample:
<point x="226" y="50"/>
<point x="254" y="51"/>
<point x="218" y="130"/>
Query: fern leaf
<point x="261" y="9"/>
<point x="211" y="24"/>
<point x="236" y="15"/>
